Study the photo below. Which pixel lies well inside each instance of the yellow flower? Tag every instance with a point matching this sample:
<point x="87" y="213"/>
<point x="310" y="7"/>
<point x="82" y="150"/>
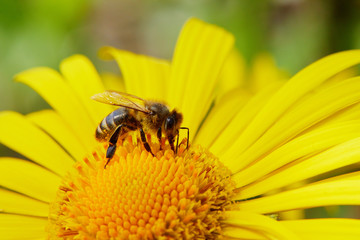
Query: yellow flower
<point x="247" y="149"/>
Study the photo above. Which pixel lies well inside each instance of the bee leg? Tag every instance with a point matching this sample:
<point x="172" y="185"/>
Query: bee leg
<point x="171" y="142"/>
<point x="112" y="144"/>
<point x="159" y="136"/>
<point x="146" y="144"/>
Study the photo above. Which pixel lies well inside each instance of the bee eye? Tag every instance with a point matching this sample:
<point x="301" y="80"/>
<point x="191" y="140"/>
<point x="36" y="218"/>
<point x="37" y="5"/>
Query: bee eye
<point x="169" y="123"/>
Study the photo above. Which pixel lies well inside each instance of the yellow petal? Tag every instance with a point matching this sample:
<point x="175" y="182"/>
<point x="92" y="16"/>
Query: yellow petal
<point x="249" y="220"/>
<point x="308" y="144"/>
<point x="17" y="227"/>
<point x="51" y="86"/>
<point x="232" y="233"/>
<point x="232" y="74"/>
<point x="83" y="78"/>
<point x="264" y="72"/>
<point x="292" y="215"/>
<point x="220" y="116"/>
<point x="350" y="113"/>
<point x="327" y="229"/>
<point x="53" y="124"/>
<point x="296" y="87"/>
<point x="348" y="73"/>
<point x="28" y="178"/>
<point x="333" y="158"/>
<point x="342" y="192"/>
<point x="200" y="53"/>
<point x="242" y="118"/>
<point x="348" y="176"/>
<point x="305" y="113"/>
<point x="11" y="202"/>
<point x="144" y="76"/>
<point x="25" y="138"/>
<point x="113" y="82"/>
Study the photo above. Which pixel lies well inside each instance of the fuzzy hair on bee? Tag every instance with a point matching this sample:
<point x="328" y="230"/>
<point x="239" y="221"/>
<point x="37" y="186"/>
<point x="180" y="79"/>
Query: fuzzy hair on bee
<point x="135" y="113"/>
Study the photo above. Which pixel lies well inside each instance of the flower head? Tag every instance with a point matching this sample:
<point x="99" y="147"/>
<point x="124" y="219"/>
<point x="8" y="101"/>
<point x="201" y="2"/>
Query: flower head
<point x="248" y="149"/>
<point x="177" y="196"/>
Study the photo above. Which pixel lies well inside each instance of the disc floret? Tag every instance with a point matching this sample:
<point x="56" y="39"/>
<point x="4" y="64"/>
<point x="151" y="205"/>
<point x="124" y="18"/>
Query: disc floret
<point x="143" y="197"/>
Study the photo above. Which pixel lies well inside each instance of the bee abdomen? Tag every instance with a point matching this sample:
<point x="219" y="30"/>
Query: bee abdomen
<point x="108" y="125"/>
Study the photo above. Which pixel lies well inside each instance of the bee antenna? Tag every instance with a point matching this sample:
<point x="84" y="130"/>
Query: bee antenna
<point x="187" y="142"/>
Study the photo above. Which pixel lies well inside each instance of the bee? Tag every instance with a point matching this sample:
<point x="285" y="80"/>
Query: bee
<point x="136" y="113"/>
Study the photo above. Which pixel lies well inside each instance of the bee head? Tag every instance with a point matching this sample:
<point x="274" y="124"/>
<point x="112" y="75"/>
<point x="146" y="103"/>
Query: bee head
<point x="172" y="123"/>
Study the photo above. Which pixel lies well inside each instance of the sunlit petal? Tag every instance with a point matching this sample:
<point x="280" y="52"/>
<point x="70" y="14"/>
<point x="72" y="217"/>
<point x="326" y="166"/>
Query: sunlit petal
<point x="341" y="192"/>
<point x="28" y="178"/>
<point x="17" y="227"/>
<point x="220" y="116"/>
<point x="83" y="78"/>
<point x="53" y="124"/>
<point x="52" y="87"/>
<point x="195" y="68"/>
<point x="308" y="144"/>
<point x="327" y="229"/>
<point x="269" y="227"/>
<point x="11" y="202"/>
<point x="144" y="76"/>
<point x="259" y="138"/>
<point x="22" y="136"/>
<point x="232" y="74"/>
<point x="265" y="72"/>
<point x="113" y="82"/>
<point x="341" y="155"/>
<point x="240" y="121"/>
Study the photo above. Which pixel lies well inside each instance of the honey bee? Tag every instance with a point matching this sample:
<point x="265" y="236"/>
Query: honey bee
<point x="136" y="113"/>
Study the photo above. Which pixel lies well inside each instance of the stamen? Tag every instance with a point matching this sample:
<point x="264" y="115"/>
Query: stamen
<point x="139" y="196"/>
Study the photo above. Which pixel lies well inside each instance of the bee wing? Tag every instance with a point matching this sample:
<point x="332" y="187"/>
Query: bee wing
<point x="121" y="99"/>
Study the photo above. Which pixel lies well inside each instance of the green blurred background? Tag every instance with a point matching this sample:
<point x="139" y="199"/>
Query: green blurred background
<point x="42" y="33"/>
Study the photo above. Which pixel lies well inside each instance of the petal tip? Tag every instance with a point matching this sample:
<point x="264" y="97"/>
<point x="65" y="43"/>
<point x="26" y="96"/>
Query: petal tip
<point x="74" y="59"/>
<point x="32" y="72"/>
<point x="106" y="53"/>
<point x="195" y="23"/>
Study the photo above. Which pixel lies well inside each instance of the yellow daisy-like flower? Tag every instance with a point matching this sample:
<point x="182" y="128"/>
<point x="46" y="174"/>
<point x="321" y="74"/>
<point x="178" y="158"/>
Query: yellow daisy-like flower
<point x="248" y="149"/>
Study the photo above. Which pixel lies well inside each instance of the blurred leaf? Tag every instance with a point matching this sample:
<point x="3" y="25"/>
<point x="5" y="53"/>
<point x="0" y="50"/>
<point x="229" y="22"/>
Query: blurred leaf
<point x="12" y="13"/>
<point x="299" y="34"/>
<point x="62" y="13"/>
<point x="34" y="33"/>
<point x="247" y="20"/>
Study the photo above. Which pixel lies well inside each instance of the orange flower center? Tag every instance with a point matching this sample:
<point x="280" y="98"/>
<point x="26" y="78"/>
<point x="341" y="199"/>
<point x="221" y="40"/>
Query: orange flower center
<point x="138" y="196"/>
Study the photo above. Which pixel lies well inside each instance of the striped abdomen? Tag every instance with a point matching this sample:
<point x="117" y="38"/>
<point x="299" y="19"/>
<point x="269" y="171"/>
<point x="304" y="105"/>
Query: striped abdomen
<point x="108" y="125"/>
